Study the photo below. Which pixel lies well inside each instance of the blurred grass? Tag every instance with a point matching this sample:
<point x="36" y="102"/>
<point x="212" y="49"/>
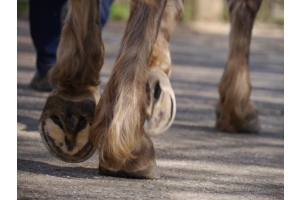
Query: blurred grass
<point x="120" y="11"/>
<point x="187" y="12"/>
<point x="22" y="8"/>
<point x="278" y="21"/>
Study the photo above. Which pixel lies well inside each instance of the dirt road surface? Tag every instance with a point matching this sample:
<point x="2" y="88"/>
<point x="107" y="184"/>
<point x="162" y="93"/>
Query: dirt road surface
<point x="195" y="161"/>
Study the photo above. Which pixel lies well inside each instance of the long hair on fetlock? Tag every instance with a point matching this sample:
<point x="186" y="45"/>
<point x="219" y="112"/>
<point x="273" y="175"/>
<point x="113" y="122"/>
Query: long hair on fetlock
<point x="80" y="51"/>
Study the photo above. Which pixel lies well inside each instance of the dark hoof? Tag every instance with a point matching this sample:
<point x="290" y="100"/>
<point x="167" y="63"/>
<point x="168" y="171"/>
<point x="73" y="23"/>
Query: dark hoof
<point x="150" y="173"/>
<point x="251" y="127"/>
<point x="143" y="166"/>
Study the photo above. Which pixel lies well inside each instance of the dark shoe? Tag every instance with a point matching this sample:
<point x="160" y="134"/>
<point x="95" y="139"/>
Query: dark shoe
<point x="40" y="83"/>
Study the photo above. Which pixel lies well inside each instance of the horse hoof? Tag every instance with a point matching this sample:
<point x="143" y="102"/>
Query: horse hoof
<point x="143" y="166"/>
<point x="161" y="103"/>
<point x="64" y="125"/>
<point x="251" y="127"/>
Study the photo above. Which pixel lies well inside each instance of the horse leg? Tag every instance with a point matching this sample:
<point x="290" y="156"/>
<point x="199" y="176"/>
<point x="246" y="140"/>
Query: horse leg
<point x="117" y="131"/>
<point x="69" y="110"/>
<point x="161" y="102"/>
<point x="235" y="112"/>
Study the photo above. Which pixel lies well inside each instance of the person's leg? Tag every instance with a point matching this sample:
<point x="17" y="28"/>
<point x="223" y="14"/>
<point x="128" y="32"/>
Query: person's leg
<point x="104" y="11"/>
<point x="45" y="28"/>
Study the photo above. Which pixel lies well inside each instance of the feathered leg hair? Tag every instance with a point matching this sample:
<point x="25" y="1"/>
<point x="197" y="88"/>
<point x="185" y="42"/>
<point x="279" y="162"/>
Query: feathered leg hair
<point x="235" y="112"/>
<point x="117" y="131"/>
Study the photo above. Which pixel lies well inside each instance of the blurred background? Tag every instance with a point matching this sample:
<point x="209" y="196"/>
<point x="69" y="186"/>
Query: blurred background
<point x="271" y="11"/>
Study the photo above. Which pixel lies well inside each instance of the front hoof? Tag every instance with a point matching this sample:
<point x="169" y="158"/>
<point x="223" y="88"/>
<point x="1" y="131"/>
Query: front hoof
<point x="161" y="103"/>
<point x="150" y="173"/>
<point x="142" y="166"/>
<point x="65" y="126"/>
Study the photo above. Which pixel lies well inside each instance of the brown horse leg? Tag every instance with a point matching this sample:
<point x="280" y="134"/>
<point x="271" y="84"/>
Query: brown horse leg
<point x="235" y="112"/>
<point x="117" y="130"/>
<point x="69" y="110"/>
<point x="161" y="102"/>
